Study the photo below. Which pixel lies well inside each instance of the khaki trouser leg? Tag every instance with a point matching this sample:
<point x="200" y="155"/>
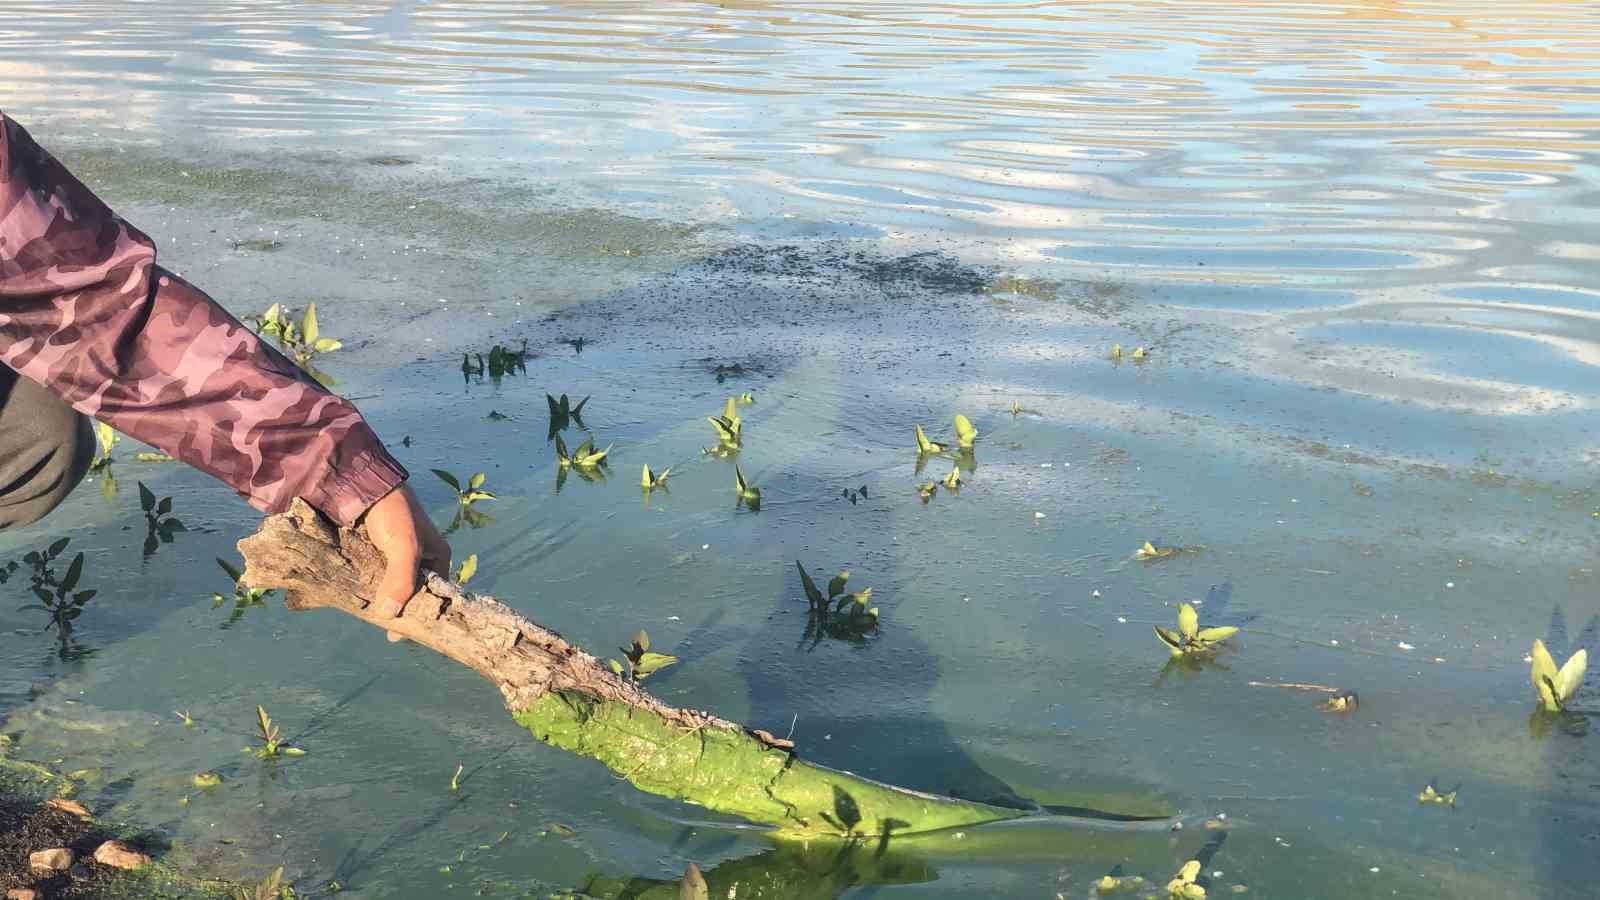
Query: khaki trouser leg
<point x="45" y="448"/>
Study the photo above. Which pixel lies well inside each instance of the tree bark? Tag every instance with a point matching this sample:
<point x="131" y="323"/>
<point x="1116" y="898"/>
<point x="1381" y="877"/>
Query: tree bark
<point x="571" y="700"/>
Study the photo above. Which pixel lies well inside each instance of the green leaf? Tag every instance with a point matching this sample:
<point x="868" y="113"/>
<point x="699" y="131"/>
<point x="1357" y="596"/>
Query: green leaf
<point x="447" y="478"/>
<point x="738" y="481"/>
<point x="1544" y="674"/>
<point x="1219" y="633"/>
<point x="614" y="666"/>
<point x="308" y="324"/>
<point x="561" y="451"/>
<point x="292" y="751"/>
<point x="924" y="445"/>
<point x="649" y="663"/>
<point x="641" y="640"/>
<point x="469" y="567"/>
<point x="1188" y="621"/>
<point x="74" y="572"/>
<point x="836" y="584"/>
<point x="1570" y="677"/>
<point x="965" y="433"/>
<point x="217" y="600"/>
<point x="812" y="594"/>
<point x="152" y="457"/>
<point x="1171" y="638"/>
<point x="646" y="480"/>
<point x="147" y="498"/>
<point x="477" y="480"/>
<point x="326" y="345"/>
<point x="233" y="571"/>
<point x="55" y="549"/>
<point x="164" y="507"/>
<point x="82" y="597"/>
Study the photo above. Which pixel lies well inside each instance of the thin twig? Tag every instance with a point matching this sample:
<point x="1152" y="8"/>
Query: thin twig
<point x="1296" y="686"/>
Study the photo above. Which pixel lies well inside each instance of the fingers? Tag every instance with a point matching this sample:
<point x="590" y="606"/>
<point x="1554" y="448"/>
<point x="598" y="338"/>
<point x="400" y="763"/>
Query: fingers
<point x="435" y="552"/>
<point x="393" y="530"/>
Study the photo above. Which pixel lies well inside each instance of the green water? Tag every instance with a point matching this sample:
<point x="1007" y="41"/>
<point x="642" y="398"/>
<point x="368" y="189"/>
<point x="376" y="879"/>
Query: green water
<point x="1356" y="237"/>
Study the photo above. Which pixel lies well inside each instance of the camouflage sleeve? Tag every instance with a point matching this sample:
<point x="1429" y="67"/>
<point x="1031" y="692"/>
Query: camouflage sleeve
<point x="85" y="311"/>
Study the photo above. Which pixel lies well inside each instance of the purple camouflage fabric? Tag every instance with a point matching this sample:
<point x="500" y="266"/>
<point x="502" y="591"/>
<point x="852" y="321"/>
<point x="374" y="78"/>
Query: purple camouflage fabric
<point x="86" y="312"/>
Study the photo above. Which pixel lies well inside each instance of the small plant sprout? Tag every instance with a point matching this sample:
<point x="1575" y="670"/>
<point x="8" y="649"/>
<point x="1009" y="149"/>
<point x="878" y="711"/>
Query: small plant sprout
<point x="642" y="662"/>
<point x="1116" y="353"/>
<point x="1182" y="886"/>
<point x="1016" y="409"/>
<point x="730" y="428"/>
<point x="272" y="743"/>
<point x="472" y="492"/>
<point x="271" y="888"/>
<point x="184" y="717"/>
<point x="747" y="398"/>
<point x="926" y="446"/>
<point x="1556" y="688"/>
<point x="1431" y="795"/>
<point x="106" y="437"/>
<point x="952" y="482"/>
<point x="852" y="607"/>
<point x="965" y="433"/>
<point x="1114" y="881"/>
<point x="243" y="597"/>
<point x="652" y="480"/>
<point x="749" y="494"/>
<point x="161" y="526"/>
<point x="1139" y="354"/>
<point x="927" y="489"/>
<point x="57" y="596"/>
<point x="303" y="342"/>
<point x="204" y="780"/>
<point x="856" y="495"/>
<point x="455" y="780"/>
<point x="1190" y="638"/>
<point x="1149" y="552"/>
<point x="563" y="409"/>
<point x="469" y="568"/>
<point x="585" y="457"/>
<point x="1342" y="702"/>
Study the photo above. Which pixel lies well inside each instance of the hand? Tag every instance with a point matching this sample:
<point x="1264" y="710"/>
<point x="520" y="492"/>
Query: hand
<point x="401" y="531"/>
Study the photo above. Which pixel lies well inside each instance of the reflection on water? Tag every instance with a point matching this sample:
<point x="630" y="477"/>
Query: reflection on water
<point x="1356" y="239"/>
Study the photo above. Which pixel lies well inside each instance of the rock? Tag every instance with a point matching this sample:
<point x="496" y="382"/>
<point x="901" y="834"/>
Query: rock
<point x="23" y="894"/>
<point x="56" y="860"/>
<point x="119" y="856"/>
<point x="69" y="806"/>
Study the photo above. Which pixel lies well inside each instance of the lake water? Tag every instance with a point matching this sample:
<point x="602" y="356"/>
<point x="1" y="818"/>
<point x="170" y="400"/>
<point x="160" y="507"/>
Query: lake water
<point x="1357" y="238"/>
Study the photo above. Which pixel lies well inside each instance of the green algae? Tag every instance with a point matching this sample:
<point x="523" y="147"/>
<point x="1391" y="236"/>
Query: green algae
<point x="732" y="772"/>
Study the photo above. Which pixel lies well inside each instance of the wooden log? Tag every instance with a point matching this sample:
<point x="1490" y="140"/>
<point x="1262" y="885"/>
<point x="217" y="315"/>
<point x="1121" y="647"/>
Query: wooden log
<point x="569" y="699"/>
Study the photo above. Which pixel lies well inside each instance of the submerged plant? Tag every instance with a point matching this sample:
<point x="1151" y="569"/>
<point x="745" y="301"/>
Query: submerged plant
<point x="1183" y="885"/>
<point x="585" y="457"/>
<point x="472" y="492"/>
<point x="272" y="741"/>
<point x="1557" y="687"/>
<point x="748" y="494"/>
<point x="841" y="615"/>
<point x="653" y="480"/>
<point x="642" y="662"/>
<point x="57" y="596"/>
<point x="271" y="888"/>
<point x="160" y="525"/>
<point x="1190" y="638"/>
<point x="243" y="597"/>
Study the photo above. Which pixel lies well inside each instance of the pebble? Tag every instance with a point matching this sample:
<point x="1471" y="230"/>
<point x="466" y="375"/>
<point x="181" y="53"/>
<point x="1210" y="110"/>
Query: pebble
<point x="58" y="859"/>
<point x="119" y="856"/>
<point x="69" y="806"/>
<point x="23" y="894"/>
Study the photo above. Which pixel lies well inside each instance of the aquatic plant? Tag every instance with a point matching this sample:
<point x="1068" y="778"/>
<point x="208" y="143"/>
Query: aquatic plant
<point x="926" y="446"/>
<point x="303" y="341"/>
<point x="857" y="495"/>
<point x="748" y="494"/>
<point x="927" y="489"/>
<point x="469" y="494"/>
<point x="966" y="435"/>
<point x="270" y="888"/>
<point x="502" y="361"/>
<point x="1430" y="794"/>
<point x="455" y="780"/>
<point x="1139" y="354"/>
<point x="272" y="741"/>
<point x="1116" y="353"/>
<point x="1149" y="552"/>
<point x="642" y="662"/>
<point x="468" y="568"/>
<point x="730" y="428"/>
<point x="243" y="597"/>
<point x="1341" y="702"/>
<point x="106" y="437"/>
<point x="652" y="480"/>
<point x="160" y="525"/>
<point x="57" y="597"/>
<point x="204" y="780"/>
<point x="839" y="615"/>
<point x="1016" y="409"/>
<point x="1190" y="638"/>
<point x="1183" y="884"/>
<point x="564" y="410"/>
<point x="952" y="482"/>
<point x="1556" y="687"/>
<point x="585" y="457"/>
<point x="747" y="398"/>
